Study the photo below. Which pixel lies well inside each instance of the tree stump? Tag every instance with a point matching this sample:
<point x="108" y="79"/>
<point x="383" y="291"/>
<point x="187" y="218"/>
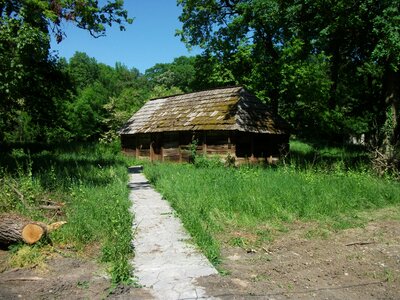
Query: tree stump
<point x="15" y="228"/>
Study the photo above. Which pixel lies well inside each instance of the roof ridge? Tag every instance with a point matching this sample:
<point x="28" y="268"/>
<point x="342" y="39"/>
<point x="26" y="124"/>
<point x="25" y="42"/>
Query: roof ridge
<point x="198" y="92"/>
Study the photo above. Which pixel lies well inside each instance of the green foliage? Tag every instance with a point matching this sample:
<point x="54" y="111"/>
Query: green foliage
<point x="243" y="35"/>
<point x="84" y="14"/>
<point x="211" y="73"/>
<point x="104" y="98"/>
<point x="386" y="28"/>
<point x="305" y="86"/>
<point x="27" y="82"/>
<point x="178" y="74"/>
<point x="87" y="112"/>
<point x="193" y="149"/>
<point x="98" y="101"/>
<point x="83" y="70"/>
<point x="201" y="161"/>
<point x="160" y="91"/>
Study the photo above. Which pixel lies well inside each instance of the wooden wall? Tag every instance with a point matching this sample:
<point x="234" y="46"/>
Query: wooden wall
<point x="176" y="146"/>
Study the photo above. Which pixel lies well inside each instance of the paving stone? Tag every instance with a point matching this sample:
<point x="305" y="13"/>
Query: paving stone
<point x="165" y="261"/>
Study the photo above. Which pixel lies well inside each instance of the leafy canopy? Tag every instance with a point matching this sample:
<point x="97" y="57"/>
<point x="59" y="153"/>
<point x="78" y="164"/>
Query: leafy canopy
<point x="33" y="83"/>
<point x="85" y="14"/>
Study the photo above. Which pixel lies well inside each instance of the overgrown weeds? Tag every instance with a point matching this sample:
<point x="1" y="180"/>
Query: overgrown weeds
<point x="211" y="199"/>
<point x="91" y="183"/>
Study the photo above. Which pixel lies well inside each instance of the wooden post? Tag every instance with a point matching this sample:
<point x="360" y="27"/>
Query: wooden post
<point x="205" y="143"/>
<point x="252" y="148"/>
<point x="136" y="147"/>
<point x="151" y="151"/>
<point x="229" y="145"/>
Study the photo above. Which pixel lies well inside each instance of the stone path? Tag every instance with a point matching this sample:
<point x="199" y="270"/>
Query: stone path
<point x="165" y="262"/>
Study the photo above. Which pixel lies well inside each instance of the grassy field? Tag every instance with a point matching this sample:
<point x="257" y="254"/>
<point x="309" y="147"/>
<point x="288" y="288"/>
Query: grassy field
<point x="92" y="182"/>
<point x="327" y="185"/>
<point x="330" y="186"/>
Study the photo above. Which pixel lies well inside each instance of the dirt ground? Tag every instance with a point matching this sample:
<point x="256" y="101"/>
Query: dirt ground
<point x="303" y="263"/>
<point x="309" y="263"/>
<point x="63" y="278"/>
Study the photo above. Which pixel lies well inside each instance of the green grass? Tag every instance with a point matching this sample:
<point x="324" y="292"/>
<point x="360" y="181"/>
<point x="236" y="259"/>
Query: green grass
<point x="327" y="158"/>
<point x="92" y="182"/>
<point x="213" y="200"/>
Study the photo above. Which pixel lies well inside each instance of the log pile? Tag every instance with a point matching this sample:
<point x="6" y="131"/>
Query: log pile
<point x="15" y="228"/>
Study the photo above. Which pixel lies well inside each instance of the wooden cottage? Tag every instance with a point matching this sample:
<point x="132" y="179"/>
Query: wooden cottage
<point x="225" y="122"/>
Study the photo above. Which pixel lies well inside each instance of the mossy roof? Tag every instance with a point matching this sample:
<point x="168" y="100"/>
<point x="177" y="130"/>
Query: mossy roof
<point x="232" y="109"/>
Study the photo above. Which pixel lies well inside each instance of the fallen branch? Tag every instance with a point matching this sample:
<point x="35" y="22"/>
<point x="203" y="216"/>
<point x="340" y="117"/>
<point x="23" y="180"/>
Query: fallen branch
<point x="50" y="207"/>
<point x="24" y="279"/>
<point x="20" y="195"/>
<point x="359" y="243"/>
<point x="54" y="226"/>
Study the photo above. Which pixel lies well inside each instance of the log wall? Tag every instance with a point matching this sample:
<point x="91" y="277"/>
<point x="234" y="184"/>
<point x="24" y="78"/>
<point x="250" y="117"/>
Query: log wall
<point x="177" y="146"/>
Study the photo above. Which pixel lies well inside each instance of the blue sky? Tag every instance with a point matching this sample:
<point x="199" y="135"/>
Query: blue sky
<point x="149" y="40"/>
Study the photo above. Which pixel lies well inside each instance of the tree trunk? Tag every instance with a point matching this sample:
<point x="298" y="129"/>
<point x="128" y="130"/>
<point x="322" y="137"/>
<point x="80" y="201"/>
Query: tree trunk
<point x="334" y="50"/>
<point x="389" y="155"/>
<point x="15" y="228"/>
<point x="273" y="69"/>
<point x="393" y="99"/>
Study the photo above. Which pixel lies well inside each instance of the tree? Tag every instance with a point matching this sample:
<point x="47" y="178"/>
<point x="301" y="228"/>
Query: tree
<point x="244" y="35"/>
<point x="363" y="40"/>
<point x="253" y="41"/>
<point x="386" y="31"/>
<point x="48" y="15"/>
<point x="211" y="73"/>
<point x="179" y="74"/>
<point x="32" y="83"/>
<point x="103" y="97"/>
<point x="338" y="60"/>
<point x="83" y="70"/>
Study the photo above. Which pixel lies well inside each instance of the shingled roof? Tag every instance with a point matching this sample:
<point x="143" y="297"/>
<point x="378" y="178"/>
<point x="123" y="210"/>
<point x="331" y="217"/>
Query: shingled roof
<point x="231" y="109"/>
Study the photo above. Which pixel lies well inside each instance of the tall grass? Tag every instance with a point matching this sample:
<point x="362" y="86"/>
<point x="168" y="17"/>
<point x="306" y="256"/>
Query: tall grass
<point x="327" y="158"/>
<point x="92" y="182"/>
<point x="209" y="200"/>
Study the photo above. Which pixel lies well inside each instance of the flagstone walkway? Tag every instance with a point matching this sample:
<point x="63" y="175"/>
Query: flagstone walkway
<point x="165" y="261"/>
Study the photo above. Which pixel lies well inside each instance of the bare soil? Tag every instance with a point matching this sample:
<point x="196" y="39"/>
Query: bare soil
<point x="63" y="278"/>
<point x="309" y="263"/>
<point x="305" y="262"/>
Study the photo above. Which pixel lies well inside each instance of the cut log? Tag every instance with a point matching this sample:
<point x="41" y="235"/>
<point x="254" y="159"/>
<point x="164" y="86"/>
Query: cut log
<point x="15" y="228"/>
<point x="31" y="233"/>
